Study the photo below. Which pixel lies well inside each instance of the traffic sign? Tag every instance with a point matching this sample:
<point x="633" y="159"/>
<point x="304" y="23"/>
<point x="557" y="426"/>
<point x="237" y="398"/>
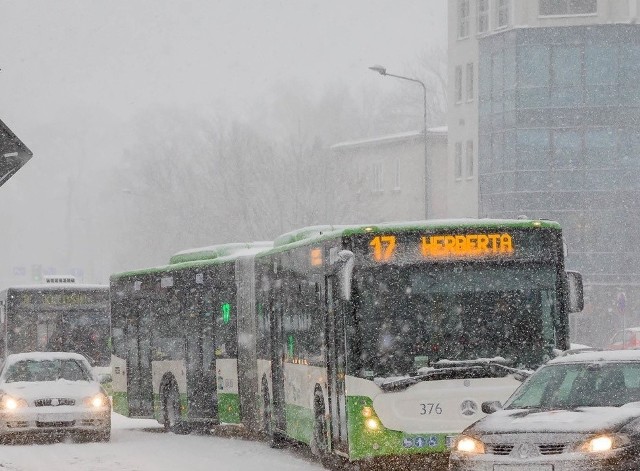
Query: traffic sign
<point x="13" y="153"/>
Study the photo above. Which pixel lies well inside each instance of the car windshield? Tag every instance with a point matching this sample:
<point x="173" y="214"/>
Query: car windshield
<point x="572" y="385"/>
<point x="47" y="370"/>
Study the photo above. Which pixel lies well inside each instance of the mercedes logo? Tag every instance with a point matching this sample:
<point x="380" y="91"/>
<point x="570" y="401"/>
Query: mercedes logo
<point x="468" y="407"/>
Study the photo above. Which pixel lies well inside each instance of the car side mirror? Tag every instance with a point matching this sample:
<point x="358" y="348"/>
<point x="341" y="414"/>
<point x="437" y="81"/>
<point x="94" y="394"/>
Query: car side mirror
<point x="490" y="407"/>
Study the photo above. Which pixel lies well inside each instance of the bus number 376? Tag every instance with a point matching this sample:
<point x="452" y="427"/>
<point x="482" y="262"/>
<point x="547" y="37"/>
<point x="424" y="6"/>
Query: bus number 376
<point x="430" y="408"/>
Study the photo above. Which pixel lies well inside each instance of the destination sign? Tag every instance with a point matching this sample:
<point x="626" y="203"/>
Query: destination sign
<point x="493" y="245"/>
<point x="52" y="299"/>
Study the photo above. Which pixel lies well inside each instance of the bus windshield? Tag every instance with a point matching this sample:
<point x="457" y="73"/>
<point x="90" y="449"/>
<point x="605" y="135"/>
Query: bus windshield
<point x="81" y="331"/>
<point x="412" y="316"/>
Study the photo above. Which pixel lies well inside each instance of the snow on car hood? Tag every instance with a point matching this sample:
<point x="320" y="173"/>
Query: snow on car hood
<point x="51" y="389"/>
<point x="579" y="420"/>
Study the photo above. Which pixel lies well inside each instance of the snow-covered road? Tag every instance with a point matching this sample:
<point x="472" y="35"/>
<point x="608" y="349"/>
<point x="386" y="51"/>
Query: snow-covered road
<point x="139" y="445"/>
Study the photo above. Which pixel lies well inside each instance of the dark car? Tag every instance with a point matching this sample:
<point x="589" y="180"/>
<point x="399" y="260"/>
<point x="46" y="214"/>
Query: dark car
<point x="578" y="412"/>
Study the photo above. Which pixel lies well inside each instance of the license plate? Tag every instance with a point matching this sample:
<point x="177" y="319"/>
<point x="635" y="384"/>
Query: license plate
<point x="55" y="418"/>
<point x="522" y="467"/>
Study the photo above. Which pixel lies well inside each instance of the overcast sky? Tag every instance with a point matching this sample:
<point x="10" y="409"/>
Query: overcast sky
<point x="75" y="73"/>
<point x="122" y="55"/>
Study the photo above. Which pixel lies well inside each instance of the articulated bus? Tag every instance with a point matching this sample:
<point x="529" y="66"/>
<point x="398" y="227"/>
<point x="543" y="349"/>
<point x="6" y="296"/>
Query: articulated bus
<point x="365" y="342"/>
<point x="57" y="315"/>
<point x="177" y="348"/>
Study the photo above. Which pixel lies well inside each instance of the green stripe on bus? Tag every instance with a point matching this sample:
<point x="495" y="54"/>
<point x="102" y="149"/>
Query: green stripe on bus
<point x="120" y="403"/>
<point x="364" y="443"/>
<point x="299" y="423"/>
<point x="229" y="408"/>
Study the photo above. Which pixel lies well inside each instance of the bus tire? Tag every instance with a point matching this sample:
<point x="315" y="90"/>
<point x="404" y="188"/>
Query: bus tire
<point x="266" y="410"/>
<point x="171" y="409"/>
<point x="319" y="443"/>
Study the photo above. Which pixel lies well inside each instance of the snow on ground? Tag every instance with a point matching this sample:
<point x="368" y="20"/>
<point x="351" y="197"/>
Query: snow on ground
<point x="140" y="445"/>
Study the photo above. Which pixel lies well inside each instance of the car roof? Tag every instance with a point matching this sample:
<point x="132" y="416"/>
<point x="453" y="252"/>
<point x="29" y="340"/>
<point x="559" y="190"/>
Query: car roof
<point x="42" y="356"/>
<point x="598" y="356"/>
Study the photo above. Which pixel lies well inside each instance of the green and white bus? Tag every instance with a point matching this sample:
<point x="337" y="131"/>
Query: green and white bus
<point x="177" y="347"/>
<point x="57" y="315"/>
<point x="382" y="342"/>
<point x="364" y="342"/>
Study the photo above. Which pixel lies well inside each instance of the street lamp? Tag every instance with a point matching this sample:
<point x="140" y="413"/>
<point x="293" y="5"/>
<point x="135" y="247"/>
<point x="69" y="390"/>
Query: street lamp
<point x="383" y="71"/>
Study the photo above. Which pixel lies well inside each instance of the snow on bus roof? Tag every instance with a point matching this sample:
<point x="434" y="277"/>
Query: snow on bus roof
<point x="597" y="356"/>
<point x="220" y="251"/>
<point x="314" y="233"/>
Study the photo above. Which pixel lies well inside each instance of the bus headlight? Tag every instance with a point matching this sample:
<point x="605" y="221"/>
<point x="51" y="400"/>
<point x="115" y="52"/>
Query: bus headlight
<point x="372" y="424"/>
<point x="367" y="412"/>
<point x="466" y="444"/>
<point x="97" y="401"/>
<point x="10" y="403"/>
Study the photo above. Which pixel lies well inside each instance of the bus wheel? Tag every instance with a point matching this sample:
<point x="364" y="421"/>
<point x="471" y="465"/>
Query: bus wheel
<point x="171" y="407"/>
<point x="266" y="411"/>
<point x="319" y="444"/>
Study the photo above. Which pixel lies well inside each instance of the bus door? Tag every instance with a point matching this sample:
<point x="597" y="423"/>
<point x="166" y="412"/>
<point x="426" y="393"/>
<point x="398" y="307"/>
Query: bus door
<point x="336" y="365"/>
<point x="278" y="349"/>
<point x="140" y="389"/>
<point x="200" y="349"/>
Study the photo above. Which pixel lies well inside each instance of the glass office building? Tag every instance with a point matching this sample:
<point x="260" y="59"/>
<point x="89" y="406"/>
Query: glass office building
<point x="559" y="138"/>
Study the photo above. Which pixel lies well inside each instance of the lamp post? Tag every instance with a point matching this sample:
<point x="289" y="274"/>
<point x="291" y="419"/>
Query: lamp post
<point x="383" y="71"/>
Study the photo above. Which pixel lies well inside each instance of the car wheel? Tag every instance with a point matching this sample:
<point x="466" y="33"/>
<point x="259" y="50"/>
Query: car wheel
<point x="102" y="436"/>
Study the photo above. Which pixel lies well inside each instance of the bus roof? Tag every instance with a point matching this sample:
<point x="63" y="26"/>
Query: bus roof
<point x="315" y="234"/>
<point x="199" y="257"/>
<point x="219" y="251"/>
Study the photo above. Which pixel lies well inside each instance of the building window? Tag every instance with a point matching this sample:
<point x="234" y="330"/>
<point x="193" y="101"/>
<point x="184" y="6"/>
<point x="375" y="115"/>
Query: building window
<point x="396" y="182"/>
<point x="568" y="7"/>
<point x="502" y="14"/>
<point x="378" y="182"/>
<point x="470" y="81"/>
<point x="483" y="16"/>
<point x="458" y="84"/>
<point x="458" y="161"/>
<point x="469" y="159"/>
<point x="463" y="19"/>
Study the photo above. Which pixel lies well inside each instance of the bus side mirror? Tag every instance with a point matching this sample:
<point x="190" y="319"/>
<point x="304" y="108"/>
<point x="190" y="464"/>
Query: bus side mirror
<point x="489" y="407"/>
<point x="343" y="267"/>
<point x="575" y="293"/>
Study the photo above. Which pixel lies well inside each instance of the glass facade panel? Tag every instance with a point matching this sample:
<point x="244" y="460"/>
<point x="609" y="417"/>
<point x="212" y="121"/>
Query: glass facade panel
<point x="532" y="149"/>
<point x="600" y="148"/>
<point x="533" y="66"/>
<point x="566" y="72"/>
<point x="601" y="63"/>
<point x="567" y="149"/>
<point x="630" y="148"/>
<point x="567" y="7"/>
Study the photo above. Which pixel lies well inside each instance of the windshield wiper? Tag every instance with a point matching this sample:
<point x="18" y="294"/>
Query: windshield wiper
<point x="481" y="368"/>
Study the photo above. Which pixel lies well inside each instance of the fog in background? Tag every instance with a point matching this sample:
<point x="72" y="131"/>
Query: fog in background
<point x="160" y="125"/>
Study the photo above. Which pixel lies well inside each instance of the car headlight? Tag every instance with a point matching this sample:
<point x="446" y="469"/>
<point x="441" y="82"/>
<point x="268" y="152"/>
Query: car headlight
<point x="470" y="445"/>
<point x="603" y="443"/>
<point x="97" y="401"/>
<point x="12" y="403"/>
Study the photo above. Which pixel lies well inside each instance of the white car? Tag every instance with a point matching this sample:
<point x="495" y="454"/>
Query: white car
<point x="54" y="393"/>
